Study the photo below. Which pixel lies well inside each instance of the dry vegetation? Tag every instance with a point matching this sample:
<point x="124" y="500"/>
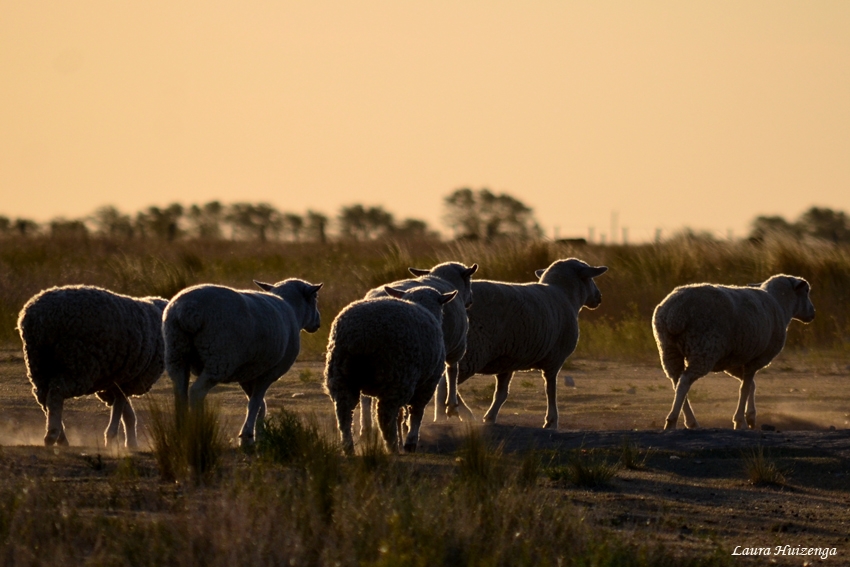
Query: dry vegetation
<point x="608" y="489"/>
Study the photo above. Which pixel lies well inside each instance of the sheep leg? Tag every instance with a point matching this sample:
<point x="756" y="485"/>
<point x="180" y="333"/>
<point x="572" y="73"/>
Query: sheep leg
<point x="55" y="428"/>
<point x="463" y="409"/>
<point x="417" y="411"/>
<point x="551" y="378"/>
<point x="255" y="414"/>
<point x="441" y="408"/>
<point x="451" y="377"/>
<point x="117" y="408"/>
<point x="690" y="419"/>
<point x="747" y="390"/>
<point x="688" y="377"/>
<point x="751" y="406"/>
<point x="673" y="363"/>
<point x="387" y="421"/>
<point x="503" y="382"/>
<point x="180" y="381"/>
<point x="128" y="418"/>
<point x="250" y="389"/>
<point x="365" y="415"/>
<point x="344" y="404"/>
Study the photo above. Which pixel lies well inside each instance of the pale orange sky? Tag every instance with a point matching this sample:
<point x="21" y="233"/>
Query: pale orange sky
<point x="701" y="114"/>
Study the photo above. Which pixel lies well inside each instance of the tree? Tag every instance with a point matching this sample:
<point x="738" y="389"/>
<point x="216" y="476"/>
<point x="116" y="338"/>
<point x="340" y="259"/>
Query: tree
<point x="64" y="228"/>
<point x="826" y="224"/>
<point x="484" y="215"/>
<point x="112" y="223"/>
<point x="359" y="223"/>
<point x="317" y="223"/>
<point x="162" y="223"/>
<point x="206" y="220"/>
<point x="765" y="226"/>
<point x="254" y="220"/>
<point x="25" y="227"/>
<point x="413" y="229"/>
<point x="293" y="224"/>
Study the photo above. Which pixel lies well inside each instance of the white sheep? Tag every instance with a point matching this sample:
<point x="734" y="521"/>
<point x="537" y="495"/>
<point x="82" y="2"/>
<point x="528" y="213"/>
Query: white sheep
<point x="445" y="278"/>
<point x="223" y="335"/>
<point x="704" y="328"/>
<point x="80" y="340"/>
<point x="389" y="348"/>
<point x="531" y="326"/>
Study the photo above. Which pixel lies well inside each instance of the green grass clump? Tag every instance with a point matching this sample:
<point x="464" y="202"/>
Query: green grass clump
<point x="762" y="470"/>
<point x="585" y="468"/>
<point x="479" y="463"/>
<point x="630" y="454"/>
<point x="191" y="447"/>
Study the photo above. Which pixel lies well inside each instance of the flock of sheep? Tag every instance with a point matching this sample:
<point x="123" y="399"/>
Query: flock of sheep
<point x="396" y="347"/>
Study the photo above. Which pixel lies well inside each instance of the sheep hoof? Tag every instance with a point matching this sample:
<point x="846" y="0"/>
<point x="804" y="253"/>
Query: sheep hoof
<point x="246" y="441"/>
<point x="451" y="411"/>
<point x="55" y="438"/>
<point x="488" y="419"/>
<point x="693" y="425"/>
<point x="550" y="425"/>
<point x="671" y="424"/>
<point x="410" y="447"/>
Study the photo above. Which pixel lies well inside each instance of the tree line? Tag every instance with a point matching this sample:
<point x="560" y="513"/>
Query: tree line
<point x="479" y="214"/>
<point x="470" y="214"/>
<point x="817" y="223"/>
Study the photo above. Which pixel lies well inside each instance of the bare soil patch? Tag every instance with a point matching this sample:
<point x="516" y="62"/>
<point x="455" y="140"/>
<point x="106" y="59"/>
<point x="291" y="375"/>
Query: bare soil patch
<point x="692" y="490"/>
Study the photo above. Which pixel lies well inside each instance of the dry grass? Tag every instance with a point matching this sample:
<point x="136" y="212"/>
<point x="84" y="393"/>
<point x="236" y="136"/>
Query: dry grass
<point x="638" y="279"/>
<point x="762" y="470"/>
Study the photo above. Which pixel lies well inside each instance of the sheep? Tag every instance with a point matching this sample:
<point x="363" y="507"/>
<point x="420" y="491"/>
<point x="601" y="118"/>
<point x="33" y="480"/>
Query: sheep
<point x="716" y="328"/>
<point x="445" y="278"/>
<point x="80" y="340"/>
<point x="531" y="326"/>
<point x="224" y="335"/>
<point x="392" y="349"/>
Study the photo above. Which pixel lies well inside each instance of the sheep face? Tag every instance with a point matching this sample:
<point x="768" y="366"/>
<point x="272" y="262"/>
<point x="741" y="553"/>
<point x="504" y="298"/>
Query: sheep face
<point x="804" y="310"/>
<point x="453" y="272"/>
<point x="311" y="296"/>
<point x="594" y="296"/>
<point x="564" y="272"/>
<point x="299" y="293"/>
<point x="426" y="297"/>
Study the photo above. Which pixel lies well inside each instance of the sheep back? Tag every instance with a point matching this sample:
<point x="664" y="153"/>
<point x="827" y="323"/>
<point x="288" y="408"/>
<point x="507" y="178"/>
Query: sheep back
<point x="730" y="326"/>
<point x="384" y="347"/>
<point x="445" y="277"/>
<point x="81" y="340"/>
<point x="234" y="335"/>
<point x="517" y="327"/>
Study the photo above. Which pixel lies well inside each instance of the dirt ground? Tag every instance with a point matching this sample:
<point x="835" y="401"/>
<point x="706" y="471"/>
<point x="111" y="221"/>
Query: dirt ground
<point x="692" y="490"/>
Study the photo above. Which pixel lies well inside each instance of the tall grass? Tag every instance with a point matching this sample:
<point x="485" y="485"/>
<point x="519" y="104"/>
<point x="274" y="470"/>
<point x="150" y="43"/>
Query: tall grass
<point x="191" y="447"/>
<point x="639" y="277"/>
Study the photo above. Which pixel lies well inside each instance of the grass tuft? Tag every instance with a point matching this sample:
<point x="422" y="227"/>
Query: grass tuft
<point x="479" y="463"/>
<point x="762" y="470"/>
<point x="188" y="448"/>
<point x="585" y="468"/>
<point x="630" y="454"/>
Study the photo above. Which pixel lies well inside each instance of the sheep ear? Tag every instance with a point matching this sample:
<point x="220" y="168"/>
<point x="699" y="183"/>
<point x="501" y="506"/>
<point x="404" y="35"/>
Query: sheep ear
<point x="539" y="273"/>
<point x="394" y="292"/>
<point x="446" y="297"/>
<point x="314" y="289"/>
<point x="591" y="272"/>
<point x="264" y="286"/>
<point x="418" y="272"/>
<point x="471" y="270"/>
<point x="801" y="286"/>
